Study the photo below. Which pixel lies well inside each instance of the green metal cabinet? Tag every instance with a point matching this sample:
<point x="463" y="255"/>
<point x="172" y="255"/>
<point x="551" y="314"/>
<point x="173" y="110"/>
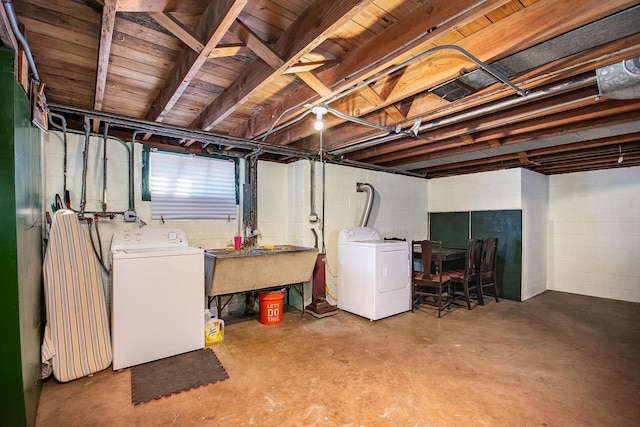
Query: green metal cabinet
<point x="20" y="252"/>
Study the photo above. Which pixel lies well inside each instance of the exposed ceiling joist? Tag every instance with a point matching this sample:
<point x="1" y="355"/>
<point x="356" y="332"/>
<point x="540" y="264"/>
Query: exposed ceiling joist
<point x="213" y="24"/>
<point x="430" y="89"/>
<point x="300" y="38"/>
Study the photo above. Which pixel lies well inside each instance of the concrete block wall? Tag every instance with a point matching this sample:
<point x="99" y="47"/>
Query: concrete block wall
<point x="592" y="229"/>
<point x="503" y="190"/>
<point x="205" y="234"/>
<point x="594" y="233"/>
<point x="535" y="201"/>
<point x="477" y="192"/>
<point x="273" y="199"/>
<point x="399" y="208"/>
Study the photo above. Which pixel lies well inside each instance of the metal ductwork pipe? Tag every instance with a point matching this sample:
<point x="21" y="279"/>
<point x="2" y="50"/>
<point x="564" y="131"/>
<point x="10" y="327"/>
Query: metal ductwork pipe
<point x="368" y="188"/>
<point x="13" y="21"/>
<point x="620" y="80"/>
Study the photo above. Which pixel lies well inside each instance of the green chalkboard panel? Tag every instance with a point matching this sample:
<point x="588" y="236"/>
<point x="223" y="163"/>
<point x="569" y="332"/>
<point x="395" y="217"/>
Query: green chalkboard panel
<point x="506" y="225"/>
<point x="451" y="228"/>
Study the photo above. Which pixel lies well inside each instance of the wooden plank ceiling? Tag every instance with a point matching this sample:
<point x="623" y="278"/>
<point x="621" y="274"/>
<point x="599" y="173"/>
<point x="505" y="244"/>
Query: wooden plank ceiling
<point x="402" y="81"/>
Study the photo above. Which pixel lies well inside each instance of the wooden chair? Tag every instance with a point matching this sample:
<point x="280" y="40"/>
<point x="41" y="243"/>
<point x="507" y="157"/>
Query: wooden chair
<point x="427" y="286"/>
<point x="488" y="268"/>
<point x="464" y="283"/>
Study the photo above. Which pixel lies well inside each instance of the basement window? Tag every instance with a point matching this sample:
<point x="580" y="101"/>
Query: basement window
<point x="189" y="186"/>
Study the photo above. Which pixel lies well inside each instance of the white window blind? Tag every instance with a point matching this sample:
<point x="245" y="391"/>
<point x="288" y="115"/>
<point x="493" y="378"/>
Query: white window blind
<point x="191" y="187"/>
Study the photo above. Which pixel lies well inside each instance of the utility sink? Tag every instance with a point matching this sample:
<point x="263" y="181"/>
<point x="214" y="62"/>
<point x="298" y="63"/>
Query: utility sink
<point x="230" y="271"/>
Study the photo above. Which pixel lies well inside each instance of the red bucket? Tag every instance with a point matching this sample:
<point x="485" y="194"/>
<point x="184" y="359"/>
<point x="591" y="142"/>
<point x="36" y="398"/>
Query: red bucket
<point x="271" y="307"/>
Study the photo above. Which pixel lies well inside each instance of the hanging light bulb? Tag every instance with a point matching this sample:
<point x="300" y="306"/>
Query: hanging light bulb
<point x="319" y="111"/>
<point x="621" y="158"/>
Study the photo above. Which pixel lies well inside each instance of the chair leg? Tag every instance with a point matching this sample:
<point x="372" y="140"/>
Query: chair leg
<point x="466" y="295"/>
<point x="495" y="289"/>
<point x="480" y="293"/>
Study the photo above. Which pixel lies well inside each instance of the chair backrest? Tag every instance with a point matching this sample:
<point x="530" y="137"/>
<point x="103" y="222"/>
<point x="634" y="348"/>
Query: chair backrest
<point x="472" y="258"/>
<point x="489" y="256"/>
<point x="428" y="248"/>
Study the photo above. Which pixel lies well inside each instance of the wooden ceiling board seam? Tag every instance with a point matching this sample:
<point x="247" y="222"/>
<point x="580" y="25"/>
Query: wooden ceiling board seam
<point x="50" y="30"/>
<point x="296" y="8"/>
<point x="84" y="57"/>
<point x="58" y="8"/>
<point x="135" y="76"/>
<point x="70" y="22"/>
<point x="268" y="15"/>
<point x="504" y="11"/>
<point x="125" y="29"/>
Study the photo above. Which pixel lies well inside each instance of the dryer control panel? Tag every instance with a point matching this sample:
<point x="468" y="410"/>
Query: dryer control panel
<point x="148" y="238"/>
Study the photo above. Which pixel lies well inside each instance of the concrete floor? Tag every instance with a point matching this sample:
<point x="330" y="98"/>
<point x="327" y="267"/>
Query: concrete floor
<point x="555" y="360"/>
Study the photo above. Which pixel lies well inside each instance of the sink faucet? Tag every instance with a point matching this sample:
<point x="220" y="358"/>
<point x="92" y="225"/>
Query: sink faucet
<point x="254" y="233"/>
<point x="252" y="238"/>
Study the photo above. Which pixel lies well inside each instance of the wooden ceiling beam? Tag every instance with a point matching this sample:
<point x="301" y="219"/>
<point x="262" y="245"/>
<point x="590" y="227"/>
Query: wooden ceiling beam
<point x="595" y="143"/>
<point x="158" y="5"/>
<point x="423" y="26"/>
<point x="563" y="68"/>
<point x="524" y="158"/>
<point x="225" y="50"/>
<point x="314" y="83"/>
<point x="308" y="66"/>
<point x="374" y="98"/>
<point x="175" y="27"/>
<point x="515" y="36"/>
<point x="6" y="33"/>
<point x="513" y="157"/>
<point x="594" y="115"/>
<point x="432" y="107"/>
<point x="264" y="51"/>
<point x="106" y="36"/>
<point x="257" y="46"/>
<point x="311" y="28"/>
<point x="438" y="149"/>
<point x="496" y="125"/>
<point x="467" y="139"/>
<point x="212" y="26"/>
<point x="592" y="156"/>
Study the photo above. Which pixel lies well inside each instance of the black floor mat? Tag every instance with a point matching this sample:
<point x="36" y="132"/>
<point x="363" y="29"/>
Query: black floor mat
<point x="175" y="374"/>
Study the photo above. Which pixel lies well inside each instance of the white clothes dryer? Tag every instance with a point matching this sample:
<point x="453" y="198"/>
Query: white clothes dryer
<point x="374" y="275"/>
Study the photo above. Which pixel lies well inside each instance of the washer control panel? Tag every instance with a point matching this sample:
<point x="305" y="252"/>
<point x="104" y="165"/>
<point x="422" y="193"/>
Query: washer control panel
<point x="148" y="238"/>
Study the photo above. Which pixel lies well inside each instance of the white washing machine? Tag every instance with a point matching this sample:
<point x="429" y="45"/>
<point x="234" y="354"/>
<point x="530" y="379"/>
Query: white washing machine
<point x="157" y="300"/>
<point x="374" y="275"/>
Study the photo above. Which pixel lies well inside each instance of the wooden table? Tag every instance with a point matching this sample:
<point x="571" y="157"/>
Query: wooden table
<point x="445" y="254"/>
